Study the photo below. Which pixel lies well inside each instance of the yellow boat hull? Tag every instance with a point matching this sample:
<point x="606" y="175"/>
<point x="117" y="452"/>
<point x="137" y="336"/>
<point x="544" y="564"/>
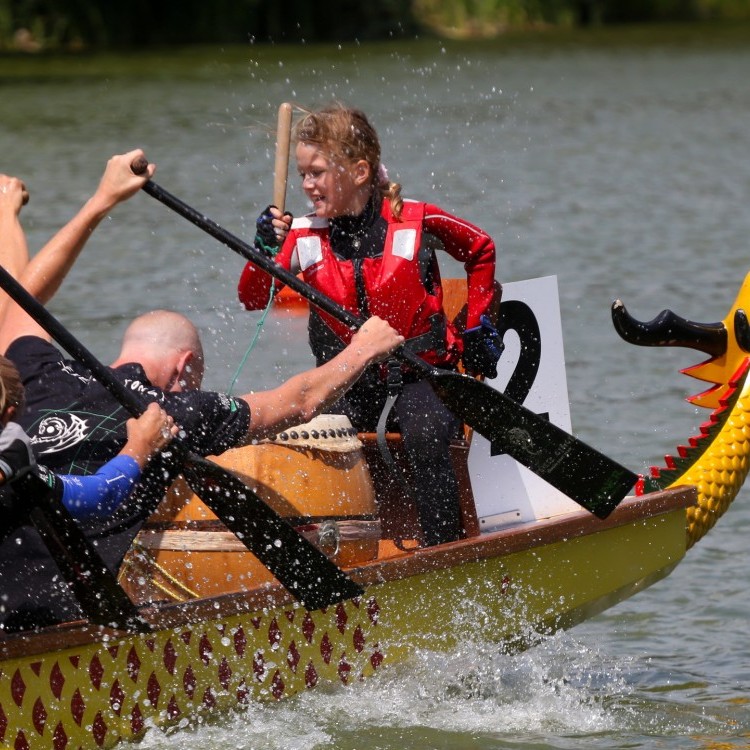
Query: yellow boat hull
<point x="506" y="586"/>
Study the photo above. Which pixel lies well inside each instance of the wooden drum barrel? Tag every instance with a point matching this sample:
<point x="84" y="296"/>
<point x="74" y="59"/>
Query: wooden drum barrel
<point x="314" y="475"/>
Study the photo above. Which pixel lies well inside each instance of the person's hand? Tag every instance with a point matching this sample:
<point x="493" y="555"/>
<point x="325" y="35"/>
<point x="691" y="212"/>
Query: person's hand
<point x="149" y="433"/>
<point x="13" y="194"/>
<point x="119" y="182"/>
<point x="16" y="454"/>
<point x="377" y="339"/>
<point x="271" y="229"/>
<point x="482" y="349"/>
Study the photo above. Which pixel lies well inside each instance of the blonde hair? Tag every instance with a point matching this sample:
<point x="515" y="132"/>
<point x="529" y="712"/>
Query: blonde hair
<point x="347" y="135"/>
<point x="11" y="387"/>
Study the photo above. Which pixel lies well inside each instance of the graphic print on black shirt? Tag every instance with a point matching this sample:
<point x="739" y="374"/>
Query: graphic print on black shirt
<point x="76" y="426"/>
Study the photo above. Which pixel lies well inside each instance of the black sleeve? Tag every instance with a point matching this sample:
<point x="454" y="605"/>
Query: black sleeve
<point x="212" y="422"/>
<point x="31" y="355"/>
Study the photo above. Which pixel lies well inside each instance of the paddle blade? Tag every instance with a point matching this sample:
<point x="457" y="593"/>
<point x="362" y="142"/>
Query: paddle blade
<point x="593" y="480"/>
<point x="298" y="564"/>
<point x="96" y="589"/>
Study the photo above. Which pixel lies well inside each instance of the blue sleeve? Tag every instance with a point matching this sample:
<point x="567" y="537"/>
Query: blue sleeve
<point x="98" y="495"/>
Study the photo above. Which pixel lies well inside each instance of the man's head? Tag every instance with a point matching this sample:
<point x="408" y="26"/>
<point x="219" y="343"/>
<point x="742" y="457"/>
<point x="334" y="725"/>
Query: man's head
<point x="168" y="346"/>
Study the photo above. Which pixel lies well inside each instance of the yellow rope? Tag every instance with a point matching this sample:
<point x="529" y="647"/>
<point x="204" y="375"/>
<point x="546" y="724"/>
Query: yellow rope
<point x="181" y="593"/>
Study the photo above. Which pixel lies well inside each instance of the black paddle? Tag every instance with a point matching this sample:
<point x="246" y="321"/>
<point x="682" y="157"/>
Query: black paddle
<point x="300" y="566"/>
<point x="100" y="596"/>
<point x="593" y="480"/>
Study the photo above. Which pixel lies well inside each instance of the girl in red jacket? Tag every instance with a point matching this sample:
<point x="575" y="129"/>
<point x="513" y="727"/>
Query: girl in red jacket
<point x="373" y="252"/>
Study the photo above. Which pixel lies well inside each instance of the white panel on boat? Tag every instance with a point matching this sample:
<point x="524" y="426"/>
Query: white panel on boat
<point x="502" y="487"/>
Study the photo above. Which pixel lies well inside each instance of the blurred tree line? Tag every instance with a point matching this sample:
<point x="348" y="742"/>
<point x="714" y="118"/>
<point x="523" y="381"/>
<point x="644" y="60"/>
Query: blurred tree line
<point x="31" y="25"/>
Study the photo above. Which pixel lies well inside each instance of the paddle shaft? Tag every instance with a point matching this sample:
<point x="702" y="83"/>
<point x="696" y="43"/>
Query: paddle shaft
<point x="587" y="476"/>
<point x="317" y="298"/>
<point x="96" y="589"/>
<point x="300" y="566"/>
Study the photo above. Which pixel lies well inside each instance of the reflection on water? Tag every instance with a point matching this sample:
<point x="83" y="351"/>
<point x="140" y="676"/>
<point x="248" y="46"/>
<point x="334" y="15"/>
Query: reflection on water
<point x="623" y="171"/>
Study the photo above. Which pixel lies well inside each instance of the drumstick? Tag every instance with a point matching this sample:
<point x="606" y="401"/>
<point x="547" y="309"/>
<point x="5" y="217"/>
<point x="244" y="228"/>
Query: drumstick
<point x="283" y="140"/>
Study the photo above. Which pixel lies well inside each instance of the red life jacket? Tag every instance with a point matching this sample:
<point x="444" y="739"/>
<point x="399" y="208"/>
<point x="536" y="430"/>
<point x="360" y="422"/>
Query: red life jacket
<point x="391" y="283"/>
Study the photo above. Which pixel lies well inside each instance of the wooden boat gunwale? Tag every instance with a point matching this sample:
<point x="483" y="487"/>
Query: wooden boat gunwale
<point x="517" y="537"/>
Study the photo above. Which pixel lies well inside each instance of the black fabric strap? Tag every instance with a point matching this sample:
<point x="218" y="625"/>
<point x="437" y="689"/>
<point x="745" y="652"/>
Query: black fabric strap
<point x="359" y="281"/>
<point x="432" y="340"/>
<point x="395" y="387"/>
<point x="94" y="586"/>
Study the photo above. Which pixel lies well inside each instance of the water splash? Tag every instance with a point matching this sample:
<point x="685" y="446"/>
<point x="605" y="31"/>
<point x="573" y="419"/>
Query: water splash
<point x="559" y="687"/>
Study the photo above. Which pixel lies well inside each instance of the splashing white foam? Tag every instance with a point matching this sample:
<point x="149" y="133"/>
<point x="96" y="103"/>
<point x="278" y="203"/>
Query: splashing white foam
<point x="559" y="687"/>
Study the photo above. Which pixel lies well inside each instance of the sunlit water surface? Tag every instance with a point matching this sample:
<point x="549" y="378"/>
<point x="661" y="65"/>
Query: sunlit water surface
<point x="624" y="171"/>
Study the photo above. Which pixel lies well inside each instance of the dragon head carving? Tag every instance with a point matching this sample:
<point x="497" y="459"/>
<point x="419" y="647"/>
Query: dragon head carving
<point x="715" y="461"/>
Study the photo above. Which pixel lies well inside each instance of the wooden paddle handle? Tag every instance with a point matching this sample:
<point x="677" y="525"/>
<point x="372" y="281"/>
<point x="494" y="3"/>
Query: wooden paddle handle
<point x="139" y="165"/>
<point x="281" y="168"/>
<point x="24" y="195"/>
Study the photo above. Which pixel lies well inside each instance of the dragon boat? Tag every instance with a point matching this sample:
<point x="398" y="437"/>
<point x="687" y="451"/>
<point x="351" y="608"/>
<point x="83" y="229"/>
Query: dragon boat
<point x="224" y="632"/>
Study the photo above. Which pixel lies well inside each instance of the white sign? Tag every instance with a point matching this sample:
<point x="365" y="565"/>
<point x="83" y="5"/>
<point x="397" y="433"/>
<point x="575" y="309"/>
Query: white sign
<point x="532" y="372"/>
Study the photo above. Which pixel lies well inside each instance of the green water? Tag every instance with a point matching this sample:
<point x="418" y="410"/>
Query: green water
<point x="616" y="160"/>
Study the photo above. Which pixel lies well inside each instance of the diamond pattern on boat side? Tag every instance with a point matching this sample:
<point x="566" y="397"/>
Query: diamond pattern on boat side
<point x="266" y="655"/>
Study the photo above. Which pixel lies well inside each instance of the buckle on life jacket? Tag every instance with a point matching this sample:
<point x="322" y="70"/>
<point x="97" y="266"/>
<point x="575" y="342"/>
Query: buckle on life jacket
<point x="432" y="340"/>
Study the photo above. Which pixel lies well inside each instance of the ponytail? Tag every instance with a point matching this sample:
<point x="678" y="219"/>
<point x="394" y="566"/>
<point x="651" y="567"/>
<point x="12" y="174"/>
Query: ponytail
<point x="391" y="191"/>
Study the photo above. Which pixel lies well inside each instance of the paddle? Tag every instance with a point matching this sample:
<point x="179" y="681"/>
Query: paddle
<point x="588" y="477"/>
<point x="300" y="566"/>
<point x="101" y="598"/>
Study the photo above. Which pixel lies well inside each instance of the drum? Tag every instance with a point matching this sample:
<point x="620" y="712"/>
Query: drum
<point x="314" y="475"/>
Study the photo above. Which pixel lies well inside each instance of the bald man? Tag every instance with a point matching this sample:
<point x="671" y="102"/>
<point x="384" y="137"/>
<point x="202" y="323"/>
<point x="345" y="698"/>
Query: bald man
<point x="74" y="422"/>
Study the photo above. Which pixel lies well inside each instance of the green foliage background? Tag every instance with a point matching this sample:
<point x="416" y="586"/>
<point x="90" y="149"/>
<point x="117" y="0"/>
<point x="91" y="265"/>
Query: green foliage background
<point x="39" y="25"/>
